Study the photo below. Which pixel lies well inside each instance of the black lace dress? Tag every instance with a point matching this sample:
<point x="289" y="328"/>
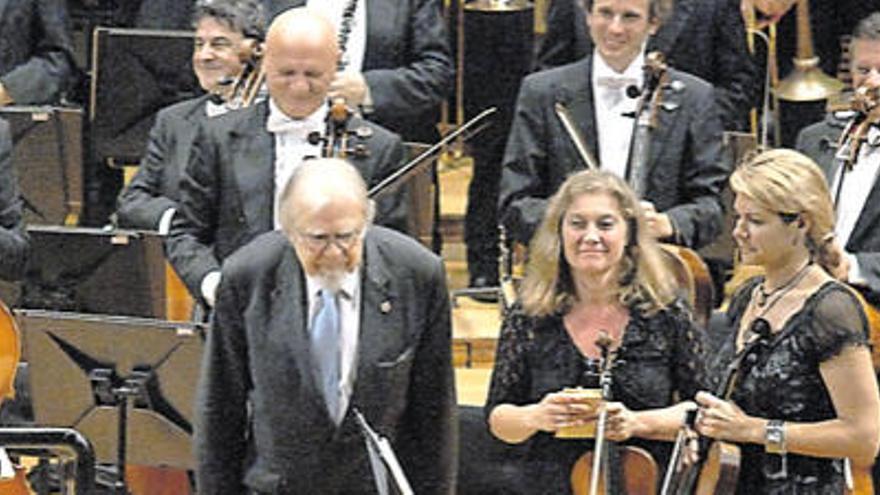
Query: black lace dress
<point x="659" y="361"/>
<point x="781" y="380"/>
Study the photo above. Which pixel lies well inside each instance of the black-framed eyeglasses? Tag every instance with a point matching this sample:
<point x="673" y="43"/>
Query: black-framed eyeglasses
<point x="319" y="242"/>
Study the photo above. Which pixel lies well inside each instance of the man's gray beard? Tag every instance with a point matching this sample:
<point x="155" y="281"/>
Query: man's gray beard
<point x="331" y="279"/>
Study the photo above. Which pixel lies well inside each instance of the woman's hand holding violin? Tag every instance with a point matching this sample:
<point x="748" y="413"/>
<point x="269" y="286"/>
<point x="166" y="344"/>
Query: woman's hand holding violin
<point x="621" y="423"/>
<point x="724" y="420"/>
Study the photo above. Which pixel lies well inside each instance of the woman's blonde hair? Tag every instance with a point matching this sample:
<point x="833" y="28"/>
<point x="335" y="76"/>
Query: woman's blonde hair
<point x="645" y="278"/>
<point x="791" y="184"/>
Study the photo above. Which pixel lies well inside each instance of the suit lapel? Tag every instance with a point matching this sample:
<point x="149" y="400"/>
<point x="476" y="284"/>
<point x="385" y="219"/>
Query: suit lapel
<point x="666" y="119"/>
<point x="289" y="326"/>
<point x="576" y="93"/>
<point x="381" y="314"/>
<point x="187" y="131"/>
<point x="867" y="217"/>
<point x="3" y="5"/>
<point x="252" y="151"/>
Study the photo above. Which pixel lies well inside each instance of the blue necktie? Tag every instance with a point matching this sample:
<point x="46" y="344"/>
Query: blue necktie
<point x="325" y="350"/>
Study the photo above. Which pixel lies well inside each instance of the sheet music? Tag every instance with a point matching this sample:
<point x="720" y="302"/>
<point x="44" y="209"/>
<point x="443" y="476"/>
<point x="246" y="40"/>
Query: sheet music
<point x="7" y="470"/>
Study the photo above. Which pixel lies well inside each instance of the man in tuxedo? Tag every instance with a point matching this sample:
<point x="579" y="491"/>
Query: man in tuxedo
<point x="36" y="53"/>
<point x="14" y="242"/>
<point x="854" y="186"/>
<point x="224" y="28"/>
<point x="324" y="318"/>
<point x="684" y="173"/>
<point x="396" y="63"/>
<point x="705" y="38"/>
<point x="240" y="161"/>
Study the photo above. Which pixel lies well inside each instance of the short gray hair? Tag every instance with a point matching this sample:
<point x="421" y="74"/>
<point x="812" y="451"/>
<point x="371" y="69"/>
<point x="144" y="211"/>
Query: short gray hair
<point x="334" y="174"/>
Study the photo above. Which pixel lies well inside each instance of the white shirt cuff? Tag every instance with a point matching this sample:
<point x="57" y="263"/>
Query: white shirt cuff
<point x="209" y="287"/>
<point x="855" y="275"/>
<point x="367" y="105"/>
<point x="165" y="221"/>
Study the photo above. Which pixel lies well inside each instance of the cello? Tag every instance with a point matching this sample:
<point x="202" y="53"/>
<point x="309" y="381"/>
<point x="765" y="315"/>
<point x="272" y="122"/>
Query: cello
<point x="611" y="468"/>
<point x="10" y="353"/>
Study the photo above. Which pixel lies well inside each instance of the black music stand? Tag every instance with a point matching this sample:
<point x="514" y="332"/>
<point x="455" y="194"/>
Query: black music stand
<point x="85" y="370"/>
<point x="89" y="270"/>
<point x="47" y="156"/>
<point x="136" y="72"/>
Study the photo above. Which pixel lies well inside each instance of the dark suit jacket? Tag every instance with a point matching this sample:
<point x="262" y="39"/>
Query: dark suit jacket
<point x="818" y="141"/>
<point x="685" y="171"/>
<point x="154" y="189"/>
<point x="257" y="359"/>
<point x="165" y="14"/>
<point x="228" y="188"/>
<point x="14" y="242"/>
<point x="407" y="63"/>
<point x="705" y="38"/>
<point x="36" y="54"/>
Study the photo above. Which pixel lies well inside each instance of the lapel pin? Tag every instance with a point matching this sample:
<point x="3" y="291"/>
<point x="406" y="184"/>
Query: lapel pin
<point x="363" y="132"/>
<point x="385" y="307"/>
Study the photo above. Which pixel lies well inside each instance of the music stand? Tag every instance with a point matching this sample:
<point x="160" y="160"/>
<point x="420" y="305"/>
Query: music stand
<point x="89" y="270"/>
<point x="47" y="156"/>
<point x="136" y="72"/>
<point x="79" y="362"/>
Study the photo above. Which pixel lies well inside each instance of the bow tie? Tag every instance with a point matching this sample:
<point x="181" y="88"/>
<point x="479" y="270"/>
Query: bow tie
<point x="616" y="82"/>
<point x="282" y="124"/>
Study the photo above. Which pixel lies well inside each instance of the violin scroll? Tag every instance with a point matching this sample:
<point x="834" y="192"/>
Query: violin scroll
<point x="336" y="142"/>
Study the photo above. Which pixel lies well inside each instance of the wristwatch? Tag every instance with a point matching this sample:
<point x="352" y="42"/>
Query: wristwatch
<point x="774" y="437"/>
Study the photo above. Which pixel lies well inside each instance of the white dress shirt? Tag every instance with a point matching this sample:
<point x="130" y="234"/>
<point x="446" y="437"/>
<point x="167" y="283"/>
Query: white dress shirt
<point x="291" y="146"/>
<point x="854" y="186"/>
<point x="349" y="320"/>
<point x="357" y="39"/>
<point x="613" y="130"/>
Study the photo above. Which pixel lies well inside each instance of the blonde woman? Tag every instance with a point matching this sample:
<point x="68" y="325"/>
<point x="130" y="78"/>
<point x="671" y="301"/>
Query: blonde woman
<point x="591" y="270"/>
<point x="807" y="397"/>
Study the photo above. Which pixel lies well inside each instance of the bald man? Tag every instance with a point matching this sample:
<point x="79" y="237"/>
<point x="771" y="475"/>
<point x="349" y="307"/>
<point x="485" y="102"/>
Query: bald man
<point x="241" y="161"/>
<point x="278" y="391"/>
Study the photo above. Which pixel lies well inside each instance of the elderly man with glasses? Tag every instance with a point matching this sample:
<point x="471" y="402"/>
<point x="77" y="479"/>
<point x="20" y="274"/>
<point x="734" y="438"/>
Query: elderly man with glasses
<point x="325" y="319"/>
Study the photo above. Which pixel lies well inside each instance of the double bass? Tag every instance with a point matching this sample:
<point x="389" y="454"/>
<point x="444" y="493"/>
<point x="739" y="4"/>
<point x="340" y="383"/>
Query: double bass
<point x="611" y="468"/>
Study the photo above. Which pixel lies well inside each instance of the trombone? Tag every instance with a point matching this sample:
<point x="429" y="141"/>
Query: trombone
<point x="806" y="82"/>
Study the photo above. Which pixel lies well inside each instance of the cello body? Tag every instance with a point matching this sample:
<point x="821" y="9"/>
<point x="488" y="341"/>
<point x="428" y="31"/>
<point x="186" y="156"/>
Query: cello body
<point x="638" y="477"/>
<point x="10" y="353"/>
<point x="720" y="471"/>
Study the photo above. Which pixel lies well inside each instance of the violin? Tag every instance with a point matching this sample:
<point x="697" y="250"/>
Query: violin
<point x="646" y="118"/>
<point x="717" y="470"/>
<point x="10" y="353"/>
<point x="609" y="467"/>
<point x="336" y="141"/>
<point x="243" y="90"/>
<point x="866" y="105"/>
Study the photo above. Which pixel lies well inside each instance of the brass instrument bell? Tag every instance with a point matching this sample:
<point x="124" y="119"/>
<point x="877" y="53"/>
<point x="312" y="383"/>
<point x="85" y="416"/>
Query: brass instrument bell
<point x="498" y="5"/>
<point x="806" y="82"/>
